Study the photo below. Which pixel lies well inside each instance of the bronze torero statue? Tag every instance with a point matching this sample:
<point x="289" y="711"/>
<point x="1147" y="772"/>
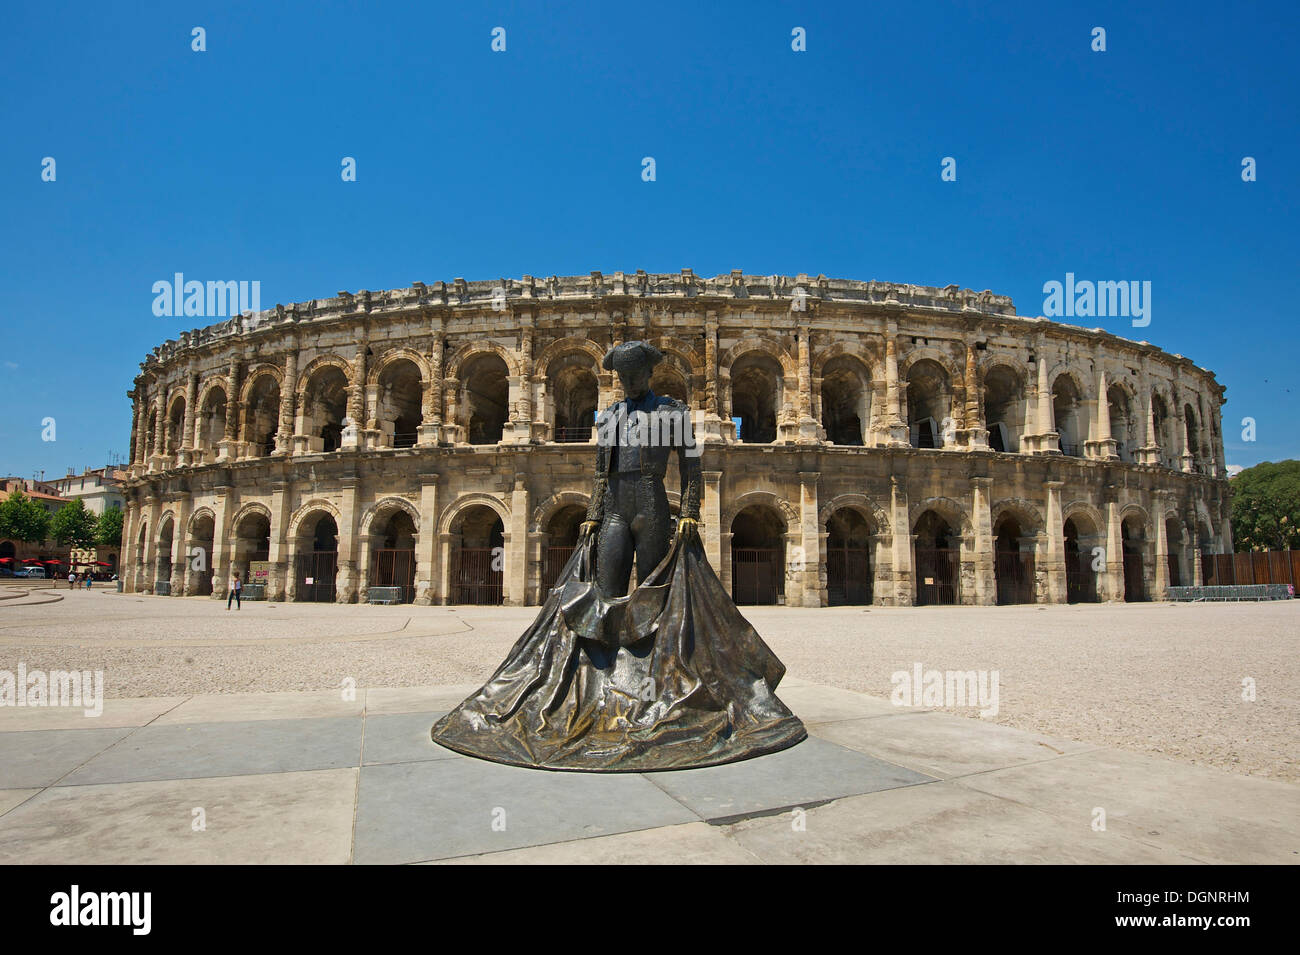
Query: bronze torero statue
<point x="670" y="676"/>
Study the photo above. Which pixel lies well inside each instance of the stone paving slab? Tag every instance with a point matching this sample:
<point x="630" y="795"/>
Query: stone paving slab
<point x="812" y="772"/>
<point x="281" y="818"/>
<point x="436" y="809"/>
<point x="1203" y="813"/>
<point x="942" y="823"/>
<point x="41" y="757"/>
<point x="411" y="699"/>
<point x="402" y="738"/>
<point x="196" y="750"/>
<point x="117" y="712"/>
<point x="824" y="704"/>
<point x="243" y="707"/>
<point x="692" y="843"/>
<point x="943" y="745"/>
<point x="13" y="797"/>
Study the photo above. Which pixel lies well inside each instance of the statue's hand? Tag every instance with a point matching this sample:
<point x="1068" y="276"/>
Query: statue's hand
<point x="588" y="527"/>
<point x="687" y="525"/>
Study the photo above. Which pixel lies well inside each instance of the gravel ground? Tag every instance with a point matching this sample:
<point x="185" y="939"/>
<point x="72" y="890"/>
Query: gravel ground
<point x="1162" y="679"/>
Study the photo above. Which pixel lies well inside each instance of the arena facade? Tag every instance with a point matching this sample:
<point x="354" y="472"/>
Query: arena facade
<point x="861" y="443"/>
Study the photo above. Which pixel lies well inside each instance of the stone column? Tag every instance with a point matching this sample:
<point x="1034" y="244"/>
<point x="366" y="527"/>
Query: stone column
<point x="986" y="588"/>
<point x="181" y="546"/>
<point x="1161" y="575"/>
<point x="127" y="563"/>
<point x="711" y="528"/>
<point x="186" y="453"/>
<point x="1150" y="452"/>
<point x="451" y="424"/>
<point x="138" y="426"/>
<point x="345" y="581"/>
<point x="904" y="592"/>
<point x="516" y="569"/>
<point x="446" y="596"/>
<point x="228" y="448"/>
<point x="1114" y="577"/>
<point x="426" y="541"/>
<point x="976" y="435"/>
<point x="156" y="459"/>
<point x="1055" y="537"/>
<point x="221" y="543"/>
<point x="356" y="416"/>
<point x="154" y="504"/>
<point x="813" y="575"/>
<point x="429" y="434"/>
<point x="363" y="544"/>
<point x="711" y="431"/>
<point x="896" y="427"/>
<point x="1102" y="446"/>
<point x="807" y="433"/>
<point x="288" y="424"/>
<point x="1047" y="439"/>
<point x="280" y="582"/>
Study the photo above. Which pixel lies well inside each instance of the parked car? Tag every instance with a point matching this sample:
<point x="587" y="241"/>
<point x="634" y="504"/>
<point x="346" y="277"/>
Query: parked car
<point x="31" y="572"/>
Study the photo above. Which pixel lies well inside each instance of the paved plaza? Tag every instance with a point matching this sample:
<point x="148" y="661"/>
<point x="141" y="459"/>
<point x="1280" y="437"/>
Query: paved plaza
<point x="236" y="737"/>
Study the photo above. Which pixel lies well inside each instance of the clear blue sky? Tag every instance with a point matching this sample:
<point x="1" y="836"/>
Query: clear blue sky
<point x="225" y="165"/>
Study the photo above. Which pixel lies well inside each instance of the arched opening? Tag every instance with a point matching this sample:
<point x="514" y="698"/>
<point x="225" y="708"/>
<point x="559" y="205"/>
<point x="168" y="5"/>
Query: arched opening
<point x="325" y="405"/>
<point x="262" y="415"/>
<point x="151" y="434"/>
<point x="141" y="547"/>
<point x="1191" y="436"/>
<point x="1067" y="414"/>
<point x="252" y="550"/>
<point x="1174" y="545"/>
<point x="212" y="422"/>
<point x="574" y="391"/>
<point x="1164" y="430"/>
<point x="846" y="401"/>
<point x="849" y="541"/>
<point x="1208" y="550"/>
<point x="757" y="386"/>
<point x="1133" y="537"/>
<point x="561" y="539"/>
<point x="162" y="574"/>
<point x="478" y="557"/>
<point x="399" y="409"/>
<point x="929" y="403"/>
<point x="1123" y="423"/>
<point x="1004" y="408"/>
<point x="669" y="382"/>
<point x="487" y="398"/>
<point x="316" y="560"/>
<point x="1013" y="562"/>
<point x="175" y="426"/>
<point x="392" y="552"/>
<point x="758" y="556"/>
<point x="199" y="569"/>
<point x="937" y="559"/>
<point x="1081" y="566"/>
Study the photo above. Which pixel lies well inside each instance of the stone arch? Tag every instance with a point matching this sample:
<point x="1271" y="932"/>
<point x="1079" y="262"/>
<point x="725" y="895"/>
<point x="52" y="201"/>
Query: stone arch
<point x="308" y="508"/>
<point x="215" y="383"/>
<point x="1137" y="510"/>
<point x="766" y="346"/>
<point x="1004" y="398"/>
<point x="863" y="352"/>
<point x="257" y="372"/>
<point x="947" y="508"/>
<point x="939" y="356"/>
<point x="474" y="349"/>
<point x="383" y="506"/>
<point x="1029" y="514"/>
<point x="1008" y="360"/>
<point x="376" y="368"/>
<point x="315" y="366"/>
<point x="200" y="513"/>
<point x="1065" y="369"/>
<point x="252" y="507"/>
<point x="1086" y="510"/>
<point x="544" y="511"/>
<point x="765" y="499"/>
<point x="876" y="515"/>
<point x="684" y="358"/>
<point x="463" y="503"/>
<point x="562" y="348"/>
<point x="843" y="393"/>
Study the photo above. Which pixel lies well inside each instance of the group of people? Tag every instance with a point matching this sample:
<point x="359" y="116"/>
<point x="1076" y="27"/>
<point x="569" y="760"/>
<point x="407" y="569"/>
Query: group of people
<point x="76" y="579"/>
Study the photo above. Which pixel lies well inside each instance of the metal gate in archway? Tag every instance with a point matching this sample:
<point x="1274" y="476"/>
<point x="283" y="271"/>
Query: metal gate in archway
<point x="473" y="579"/>
<point x="1014" y="572"/>
<point x="936" y="576"/>
<point x="1134" y="585"/>
<point x="756" y="576"/>
<point x="394" y="567"/>
<point x="556" y="558"/>
<point x="1080" y="578"/>
<point x="315" y="573"/>
<point x="848" y="575"/>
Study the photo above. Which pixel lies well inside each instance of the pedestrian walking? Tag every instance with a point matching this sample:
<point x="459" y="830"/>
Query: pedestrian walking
<point x="236" y="588"/>
<point x="72" y="580"/>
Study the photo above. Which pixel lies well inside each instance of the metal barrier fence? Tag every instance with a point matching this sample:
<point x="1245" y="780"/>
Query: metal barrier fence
<point x="384" y="595"/>
<point x="253" y="592"/>
<point x="162" y="588"/>
<point x="1233" y="592"/>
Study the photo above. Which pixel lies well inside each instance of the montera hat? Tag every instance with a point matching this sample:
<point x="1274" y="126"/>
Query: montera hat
<point x="630" y="356"/>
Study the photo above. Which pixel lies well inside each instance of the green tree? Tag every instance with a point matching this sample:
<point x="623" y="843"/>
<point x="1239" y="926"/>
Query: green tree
<point x="73" y="525"/>
<point x="23" y="519"/>
<point x="1266" y="507"/>
<point x="109" y="531"/>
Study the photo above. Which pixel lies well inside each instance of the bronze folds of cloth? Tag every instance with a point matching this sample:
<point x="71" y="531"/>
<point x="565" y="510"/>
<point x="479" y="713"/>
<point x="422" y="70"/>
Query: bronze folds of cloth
<point x="670" y="676"/>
